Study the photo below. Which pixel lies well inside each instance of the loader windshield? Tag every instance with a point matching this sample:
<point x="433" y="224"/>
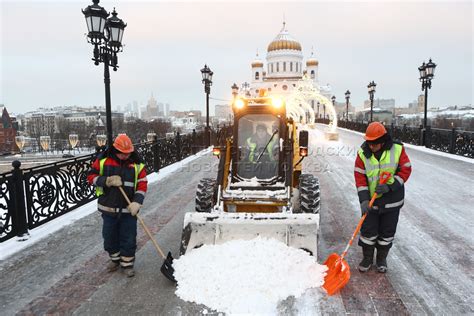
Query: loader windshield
<point x="259" y="146"/>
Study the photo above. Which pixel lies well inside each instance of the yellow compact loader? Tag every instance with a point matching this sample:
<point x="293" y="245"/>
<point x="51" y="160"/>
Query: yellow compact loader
<point x="260" y="189"/>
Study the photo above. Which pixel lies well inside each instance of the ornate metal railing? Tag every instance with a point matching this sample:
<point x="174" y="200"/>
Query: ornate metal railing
<point x="33" y="196"/>
<point x="54" y="189"/>
<point x="451" y="141"/>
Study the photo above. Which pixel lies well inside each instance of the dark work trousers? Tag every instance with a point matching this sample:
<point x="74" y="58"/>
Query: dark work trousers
<point x="378" y="230"/>
<point x="120" y="234"/>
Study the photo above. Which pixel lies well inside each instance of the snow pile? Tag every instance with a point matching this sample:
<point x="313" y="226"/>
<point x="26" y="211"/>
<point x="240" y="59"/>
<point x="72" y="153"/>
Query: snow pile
<point x="246" y="277"/>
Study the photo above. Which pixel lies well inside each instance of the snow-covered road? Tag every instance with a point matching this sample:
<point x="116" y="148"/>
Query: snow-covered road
<point x="430" y="265"/>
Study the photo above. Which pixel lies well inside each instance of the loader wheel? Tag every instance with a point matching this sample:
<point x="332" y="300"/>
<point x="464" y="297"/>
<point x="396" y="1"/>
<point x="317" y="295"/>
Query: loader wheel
<point x="310" y="199"/>
<point x="206" y="195"/>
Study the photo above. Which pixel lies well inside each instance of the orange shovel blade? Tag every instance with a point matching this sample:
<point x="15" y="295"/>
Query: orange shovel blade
<point x="338" y="274"/>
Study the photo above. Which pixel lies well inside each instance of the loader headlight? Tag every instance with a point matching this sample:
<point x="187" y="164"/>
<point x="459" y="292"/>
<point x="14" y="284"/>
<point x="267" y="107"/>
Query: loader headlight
<point x="239" y="104"/>
<point x="277" y="102"/>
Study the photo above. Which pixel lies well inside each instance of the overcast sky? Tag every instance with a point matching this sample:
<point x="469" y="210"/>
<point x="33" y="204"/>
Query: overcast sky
<point x="46" y="60"/>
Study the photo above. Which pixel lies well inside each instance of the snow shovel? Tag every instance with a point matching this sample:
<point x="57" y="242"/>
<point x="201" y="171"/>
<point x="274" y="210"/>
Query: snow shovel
<point x="167" y="267"/>
<point x="339" y="272"/>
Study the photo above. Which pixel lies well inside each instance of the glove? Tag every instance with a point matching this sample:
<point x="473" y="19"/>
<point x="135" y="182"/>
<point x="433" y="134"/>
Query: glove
<point x="382" y="188"/>
<point x="134" y="207"/>
<point x="113" y="181"/>
<point x="364" y="207"/>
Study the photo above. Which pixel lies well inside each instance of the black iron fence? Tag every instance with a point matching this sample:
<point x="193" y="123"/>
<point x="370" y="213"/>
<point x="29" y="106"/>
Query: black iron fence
<point x="452" y="141"/>
<point x="33" y="196"/>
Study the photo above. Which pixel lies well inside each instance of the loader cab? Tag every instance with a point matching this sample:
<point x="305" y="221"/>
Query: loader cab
<point x="259" y="130"/>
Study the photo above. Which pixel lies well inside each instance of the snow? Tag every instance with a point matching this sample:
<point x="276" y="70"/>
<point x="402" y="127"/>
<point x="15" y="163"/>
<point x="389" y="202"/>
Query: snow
<point x="14" y="245"/>
<point x="432" y="252"/>
<point x="246" y="277"/>
<point x="465" y="112"/>
<point x="254" y="194"/>
<point x="255" y="218"/>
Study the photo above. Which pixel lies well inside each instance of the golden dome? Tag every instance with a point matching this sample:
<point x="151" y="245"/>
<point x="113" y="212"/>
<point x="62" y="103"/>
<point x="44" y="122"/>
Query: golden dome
<point x="312" y="61"/>
<point x="284" y="41"/>
<point x="257" y="62"/>
<point x="283" y="44"/>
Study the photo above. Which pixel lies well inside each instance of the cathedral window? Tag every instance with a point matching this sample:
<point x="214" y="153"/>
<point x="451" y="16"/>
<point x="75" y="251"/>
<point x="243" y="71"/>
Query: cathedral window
<point x="296" y="67"/>
<point x="278" y="67"/>
<point x="312" y="74"/>
<point x="272" y="66"/>
<point x="284" y="66"/>
<point x="257" y="75"/>
<point x="291" y="66"/>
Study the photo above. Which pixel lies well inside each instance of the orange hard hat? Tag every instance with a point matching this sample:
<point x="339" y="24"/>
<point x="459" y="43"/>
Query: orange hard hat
<point x="374" y="131"/>
<point x="123" y="144"/>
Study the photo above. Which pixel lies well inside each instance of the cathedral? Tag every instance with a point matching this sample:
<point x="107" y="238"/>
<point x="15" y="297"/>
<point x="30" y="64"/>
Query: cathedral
<point x="285" y="70"/>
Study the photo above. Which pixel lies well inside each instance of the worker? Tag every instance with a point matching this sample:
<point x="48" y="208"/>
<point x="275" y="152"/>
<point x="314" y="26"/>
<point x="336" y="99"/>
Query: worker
<point x="377" y="154"/>
<point x="257" y="142"/>
<point x="119" y="167"/>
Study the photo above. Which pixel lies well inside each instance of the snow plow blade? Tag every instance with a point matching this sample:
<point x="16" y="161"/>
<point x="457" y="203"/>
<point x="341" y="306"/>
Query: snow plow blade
<point x="295" y="230"/>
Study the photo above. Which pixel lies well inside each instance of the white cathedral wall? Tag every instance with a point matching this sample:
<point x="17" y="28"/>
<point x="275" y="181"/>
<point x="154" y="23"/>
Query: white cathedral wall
<point x="316" y="76"/>
<point x="284" y="56"/>
<point x="260" y="74"/>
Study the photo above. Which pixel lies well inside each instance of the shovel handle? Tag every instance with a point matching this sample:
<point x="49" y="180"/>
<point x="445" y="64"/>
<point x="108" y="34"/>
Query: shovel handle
<point x="147" y="231"/>
<point x="384" y="176"/>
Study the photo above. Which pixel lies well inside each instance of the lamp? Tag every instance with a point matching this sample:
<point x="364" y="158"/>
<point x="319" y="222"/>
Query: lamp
<point x="106" y="37"/>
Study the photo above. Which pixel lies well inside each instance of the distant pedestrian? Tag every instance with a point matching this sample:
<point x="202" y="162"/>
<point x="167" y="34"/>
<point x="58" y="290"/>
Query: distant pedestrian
<point x="120" y="166"/>
<point x="377" y="154"/>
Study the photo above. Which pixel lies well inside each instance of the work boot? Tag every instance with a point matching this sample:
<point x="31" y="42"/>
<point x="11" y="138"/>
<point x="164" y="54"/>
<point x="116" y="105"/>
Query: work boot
<point x="381" y="260"/>
<point x="129" y="272"/>
<point x="112" y="266"/>
<point x="368" y="259"/>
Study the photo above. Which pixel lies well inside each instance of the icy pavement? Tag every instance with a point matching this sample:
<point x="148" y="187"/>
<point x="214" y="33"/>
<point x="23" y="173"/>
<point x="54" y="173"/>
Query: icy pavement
<point x="431" y="262"/>
<point x="430" y="266"/>
<point x="13" y="245"/>
<point x="246" y="277"/>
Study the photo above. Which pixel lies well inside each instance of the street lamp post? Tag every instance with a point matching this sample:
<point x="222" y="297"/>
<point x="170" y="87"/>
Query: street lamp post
<point x="348" y="96"/>
<point x="73" y="140"/>
<point x="235" y="90"/>
<point x="101" y="140"/>
<point x="20" y="143"/>
<point x="246" y="88"/>
<point x="333" y="100"/>
<point x="207" y="81"/>
<point x="371" y="88"/>
<point x="426" y="75"/>
<point x="106" y="35"/>
<point x="44" y="142"/>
